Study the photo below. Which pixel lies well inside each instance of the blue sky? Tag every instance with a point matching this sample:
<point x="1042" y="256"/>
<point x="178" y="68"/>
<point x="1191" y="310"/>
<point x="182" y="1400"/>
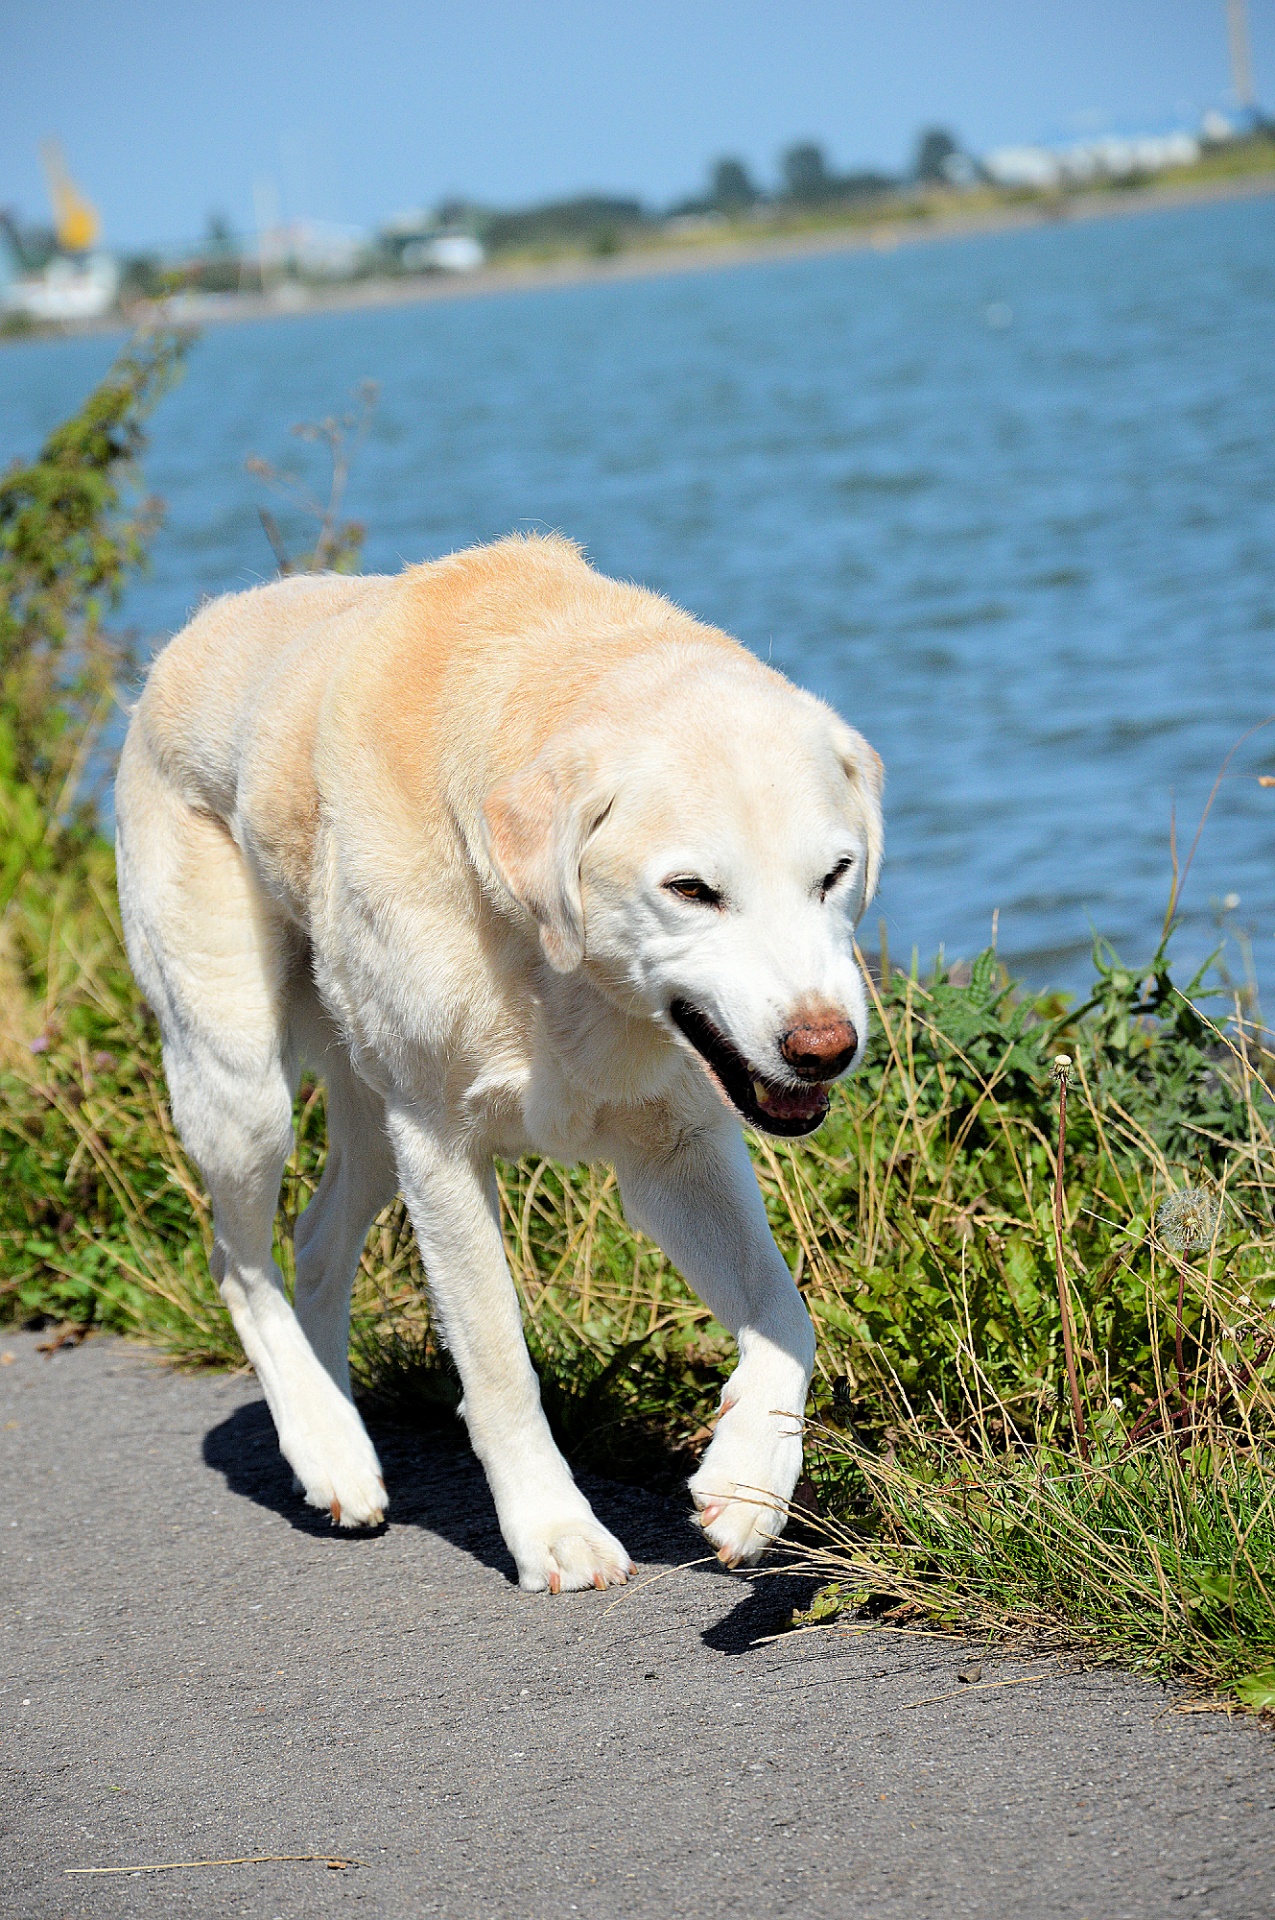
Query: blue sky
<point x="170" y="108"/>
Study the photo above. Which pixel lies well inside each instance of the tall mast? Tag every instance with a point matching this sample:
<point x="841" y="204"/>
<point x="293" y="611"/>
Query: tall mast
<point x="1241" y="53"/>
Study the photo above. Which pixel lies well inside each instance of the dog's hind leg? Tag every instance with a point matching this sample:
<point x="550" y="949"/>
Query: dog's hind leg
<point x="217" y="966"/>
<point x="359" y="1179"/>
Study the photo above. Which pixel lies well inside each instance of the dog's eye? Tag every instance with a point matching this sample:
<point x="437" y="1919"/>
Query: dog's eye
<point x="839" y="872"/>
<point x="688" y="887"/>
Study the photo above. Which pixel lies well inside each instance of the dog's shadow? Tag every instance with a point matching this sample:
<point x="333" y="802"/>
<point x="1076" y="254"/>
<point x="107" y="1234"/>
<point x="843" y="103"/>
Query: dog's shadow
<point x="763" y="1610"/>
<point x="435" y="1483"/>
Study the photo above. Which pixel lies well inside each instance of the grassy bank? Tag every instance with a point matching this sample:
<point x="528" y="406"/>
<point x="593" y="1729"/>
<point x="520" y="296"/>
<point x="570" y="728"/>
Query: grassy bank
<point x="967" y="1473"/>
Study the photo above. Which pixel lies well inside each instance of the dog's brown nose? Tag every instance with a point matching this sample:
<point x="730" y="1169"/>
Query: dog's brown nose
<point x="820" y="1051"/>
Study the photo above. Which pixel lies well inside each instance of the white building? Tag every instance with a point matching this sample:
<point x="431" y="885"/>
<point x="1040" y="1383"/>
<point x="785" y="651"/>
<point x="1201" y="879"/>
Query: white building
<point x="69" y="288"/>
<point x="1087" y="162"/>
<point x="424" y="245"/>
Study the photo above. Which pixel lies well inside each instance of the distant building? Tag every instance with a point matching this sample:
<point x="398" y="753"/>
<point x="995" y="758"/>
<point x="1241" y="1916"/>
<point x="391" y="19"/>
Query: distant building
<point x="1085" y="162"/>
<point x="321" y="249"/>
<point x="62" y="274"/>
<point x="455" y="252"/>
<point x="425" y="242"/>
<point x="327" y="250"/>
<point x="1022" y="167"/>
<point x="82" y="288"/>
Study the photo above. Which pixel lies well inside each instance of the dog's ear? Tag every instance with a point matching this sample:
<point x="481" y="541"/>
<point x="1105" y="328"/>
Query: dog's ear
<point x="866" y="773"/>
<point x="535" y="827"/>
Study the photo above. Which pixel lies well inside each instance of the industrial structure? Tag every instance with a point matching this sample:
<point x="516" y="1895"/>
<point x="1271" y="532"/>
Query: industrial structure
<point x="63" y="275"/>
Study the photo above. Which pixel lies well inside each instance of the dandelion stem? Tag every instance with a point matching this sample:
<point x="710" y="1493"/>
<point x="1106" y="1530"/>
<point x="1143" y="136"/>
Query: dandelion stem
<point x="1061" y="1068"/>
<point x="1177" y="1341"/>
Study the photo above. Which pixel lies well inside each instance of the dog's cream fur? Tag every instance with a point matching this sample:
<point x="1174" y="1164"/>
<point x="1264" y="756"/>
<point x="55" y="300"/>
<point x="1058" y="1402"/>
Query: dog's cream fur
<point x="418" y="832"/>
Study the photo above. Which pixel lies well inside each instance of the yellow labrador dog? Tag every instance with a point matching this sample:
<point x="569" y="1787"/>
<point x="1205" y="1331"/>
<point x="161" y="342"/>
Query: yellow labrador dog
<point x="515" y="858"/>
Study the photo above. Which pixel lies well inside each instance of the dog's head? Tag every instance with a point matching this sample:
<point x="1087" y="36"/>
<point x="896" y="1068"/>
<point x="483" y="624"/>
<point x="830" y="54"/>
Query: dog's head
<point x="703" y="845"/>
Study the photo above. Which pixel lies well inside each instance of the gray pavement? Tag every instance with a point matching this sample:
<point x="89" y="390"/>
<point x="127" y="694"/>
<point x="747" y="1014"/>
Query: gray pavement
<point x="194" y="1667"/>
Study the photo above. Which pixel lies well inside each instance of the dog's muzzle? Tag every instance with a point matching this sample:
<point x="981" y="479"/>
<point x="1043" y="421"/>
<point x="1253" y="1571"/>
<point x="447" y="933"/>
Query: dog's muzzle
<point x="771" y="1106"/>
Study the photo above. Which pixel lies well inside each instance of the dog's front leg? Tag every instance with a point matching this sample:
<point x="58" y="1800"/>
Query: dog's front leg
<point x="547" y="1523"/>
<point x="693" y="1190"/>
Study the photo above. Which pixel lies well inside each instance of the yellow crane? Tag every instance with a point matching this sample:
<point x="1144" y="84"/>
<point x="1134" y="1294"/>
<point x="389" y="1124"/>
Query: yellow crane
<point x="75" y="217"/>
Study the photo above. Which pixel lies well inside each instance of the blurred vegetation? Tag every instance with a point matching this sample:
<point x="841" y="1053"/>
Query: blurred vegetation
<point x="337" y="543"/>
<point x="581" y="221"/>
<point x="934" y="1246"/>
<point x="71" y="530"/>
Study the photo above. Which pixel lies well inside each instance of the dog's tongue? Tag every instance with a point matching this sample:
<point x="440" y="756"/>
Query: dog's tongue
<point x="790" y="1103"/>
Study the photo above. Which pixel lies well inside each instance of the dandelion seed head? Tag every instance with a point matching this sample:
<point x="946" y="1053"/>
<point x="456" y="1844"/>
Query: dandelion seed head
<point x="1062" y="1066"/>
<point x="1188" y="1219"/>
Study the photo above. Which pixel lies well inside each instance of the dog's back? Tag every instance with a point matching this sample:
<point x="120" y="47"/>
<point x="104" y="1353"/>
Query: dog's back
<point x="422" y="685"/>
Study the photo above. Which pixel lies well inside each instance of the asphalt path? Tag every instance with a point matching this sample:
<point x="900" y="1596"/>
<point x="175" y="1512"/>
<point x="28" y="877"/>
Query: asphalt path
<point x="197" y="1667"/>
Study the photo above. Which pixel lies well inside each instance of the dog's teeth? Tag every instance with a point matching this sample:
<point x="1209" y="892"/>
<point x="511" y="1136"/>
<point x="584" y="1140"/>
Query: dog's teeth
<point x="761" y="1093"/>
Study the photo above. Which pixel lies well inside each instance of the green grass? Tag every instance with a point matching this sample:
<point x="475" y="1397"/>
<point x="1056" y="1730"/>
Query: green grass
<point x="1154" y="1554"/>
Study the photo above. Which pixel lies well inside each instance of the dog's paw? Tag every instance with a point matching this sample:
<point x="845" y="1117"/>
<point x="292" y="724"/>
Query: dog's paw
<point x="744" y="1482"/>
<point x="568" y="1553"/>
<point x="336" y="1469"/>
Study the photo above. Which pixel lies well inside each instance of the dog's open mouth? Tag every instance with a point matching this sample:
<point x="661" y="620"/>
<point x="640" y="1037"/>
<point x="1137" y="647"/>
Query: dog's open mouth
<point x="768" y="1105"/>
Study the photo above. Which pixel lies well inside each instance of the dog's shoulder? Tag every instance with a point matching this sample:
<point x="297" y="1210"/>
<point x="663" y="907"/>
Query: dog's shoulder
<point x="214" y="678"/>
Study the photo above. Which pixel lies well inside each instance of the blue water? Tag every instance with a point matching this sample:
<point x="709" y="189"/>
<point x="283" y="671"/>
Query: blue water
<point x="1008" y="503"/>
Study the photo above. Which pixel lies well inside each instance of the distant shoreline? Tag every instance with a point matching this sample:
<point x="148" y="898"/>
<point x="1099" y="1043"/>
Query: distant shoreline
<point x="671" y="257"/>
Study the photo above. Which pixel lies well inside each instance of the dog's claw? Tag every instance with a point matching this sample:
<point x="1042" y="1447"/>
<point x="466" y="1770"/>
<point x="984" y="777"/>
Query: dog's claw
<point x="710" y="1511"/>
<point x="728" y="1556"/>
<point x="335" y="1511"/>
<point x="600" y="1582"/>
<point x="632" y="1570"/>
<point x="555" y="1583"/>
